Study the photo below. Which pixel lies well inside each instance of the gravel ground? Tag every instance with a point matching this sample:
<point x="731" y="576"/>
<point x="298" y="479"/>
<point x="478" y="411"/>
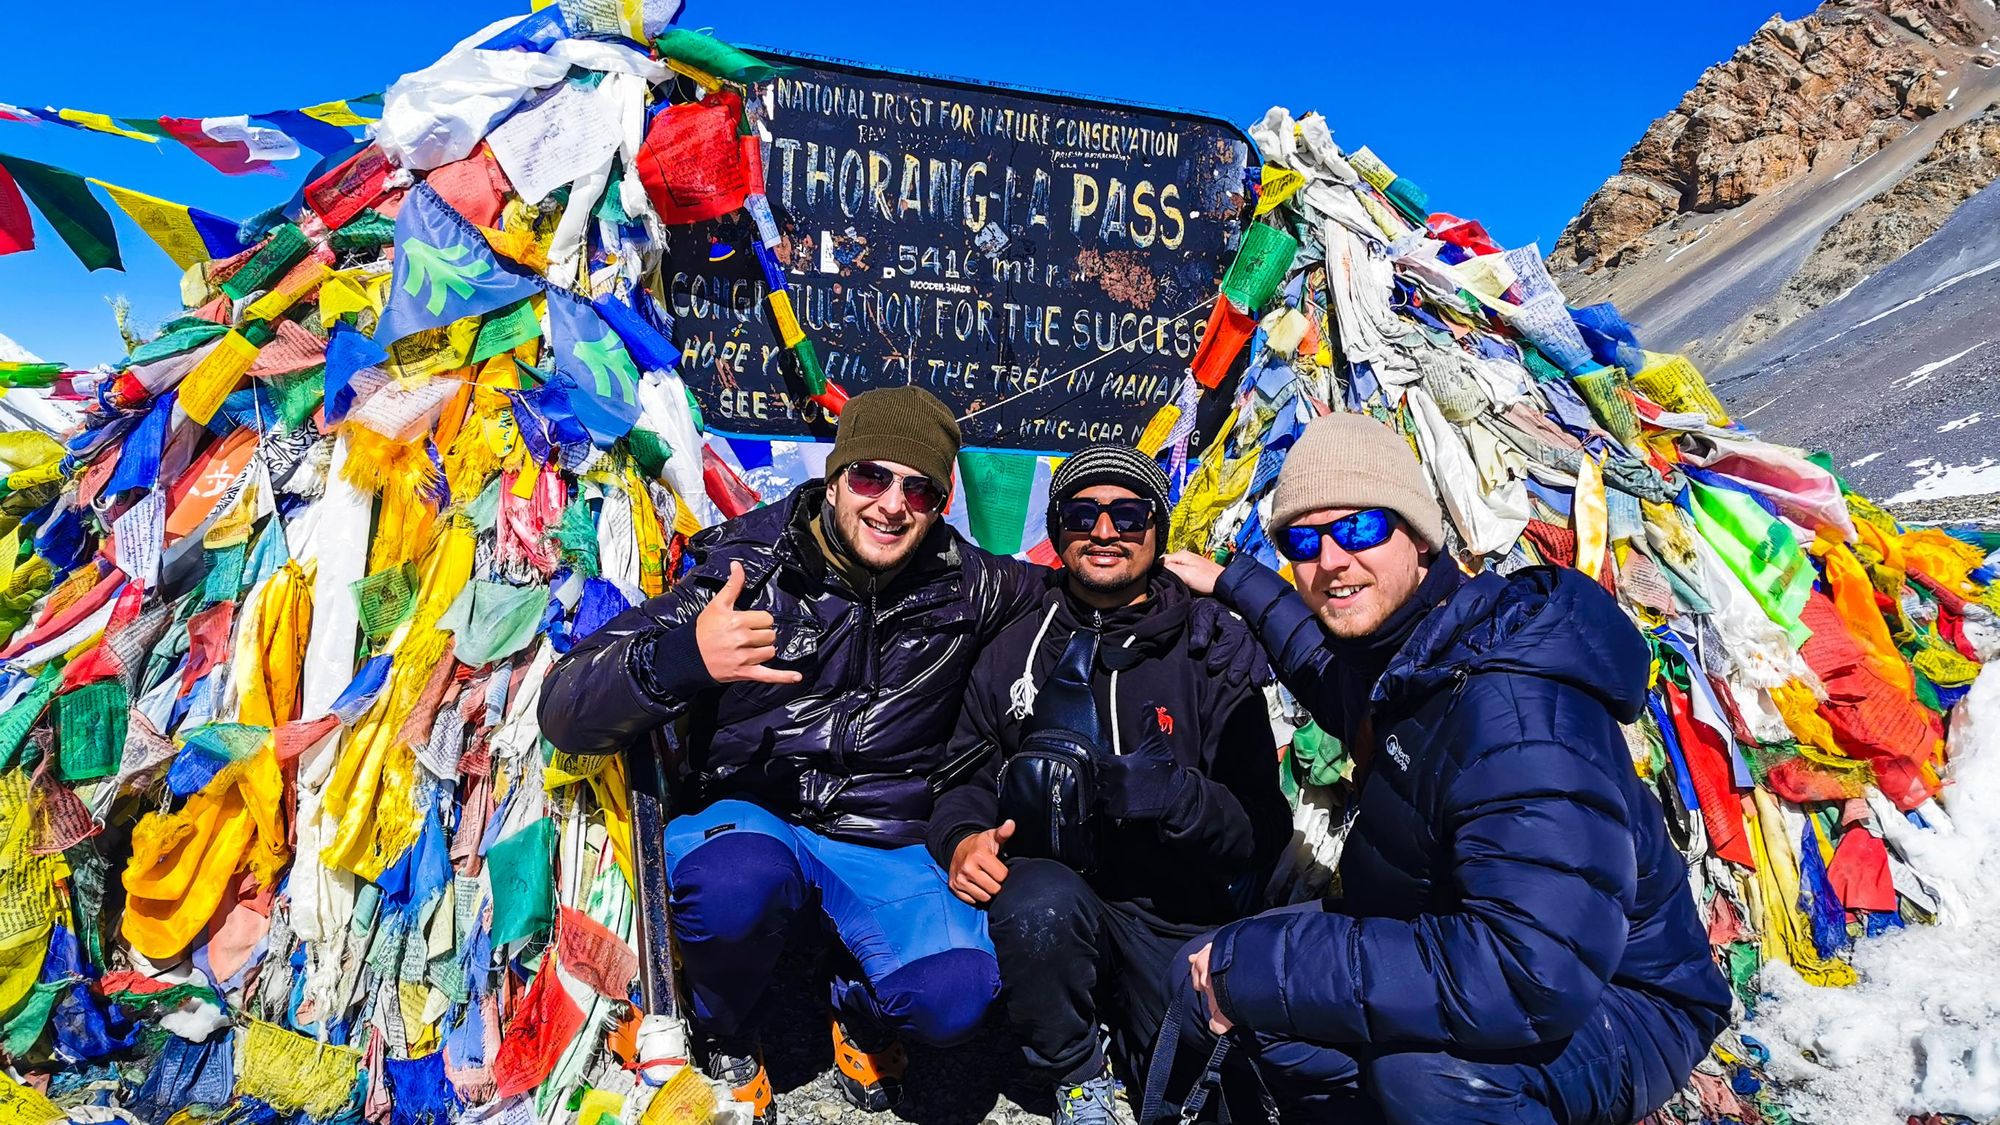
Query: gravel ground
<point x="979" y="1083"/>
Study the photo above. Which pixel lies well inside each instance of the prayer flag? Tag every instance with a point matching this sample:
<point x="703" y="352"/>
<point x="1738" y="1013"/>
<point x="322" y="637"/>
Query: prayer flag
<point x="99" y="123"/>
<point x="602" y="379"/>
<point x="323" y="137"/>
<point x="187" y="234"/>
<point x="232" y="145"/>
<point x="17" y="226"/>
<point x="65" y="201"/>
<point x="341" y="112"/>
<point x="997" y="487"/>
<point x="444" y="272"/>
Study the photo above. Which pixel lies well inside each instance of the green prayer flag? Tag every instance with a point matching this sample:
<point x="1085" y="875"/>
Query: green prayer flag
<point x="1760" y="550"/>
<point x="66" y="202"/>
<point x="90" y="731"/>
<point x="996" y="488"/>
<point x="271" y="262"/>
<point x="21" y="1030"/>
<point x="385" y="600"/>
<point x="20" y="718"/>
<point x="1260" y="267"/>
<point x="524" y="892"/>
<point x="225" y="574"/>
<point x="710" y="55"/>
<point x="505" y="330"/>
<point x="492" y="620"/>
<point x="29" y="374"/>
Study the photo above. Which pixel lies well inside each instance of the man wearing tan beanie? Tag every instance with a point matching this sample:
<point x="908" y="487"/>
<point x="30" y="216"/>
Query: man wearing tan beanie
<point x="1514" y="940"/>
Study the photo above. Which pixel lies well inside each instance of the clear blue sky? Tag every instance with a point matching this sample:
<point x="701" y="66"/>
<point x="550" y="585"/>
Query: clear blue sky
<point x="1508" y="113"/>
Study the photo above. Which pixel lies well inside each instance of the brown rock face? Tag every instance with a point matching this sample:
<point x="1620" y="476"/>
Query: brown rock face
<point x="1873" y="235"/>
<point x="1835" y="85"/>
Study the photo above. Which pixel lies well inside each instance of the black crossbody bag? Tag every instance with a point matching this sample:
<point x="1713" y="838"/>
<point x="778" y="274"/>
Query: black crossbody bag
<point x="1048" y="787"/>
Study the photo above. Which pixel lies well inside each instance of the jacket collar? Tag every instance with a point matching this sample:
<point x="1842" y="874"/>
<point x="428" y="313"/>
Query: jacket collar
<point x="1549" y="622"/>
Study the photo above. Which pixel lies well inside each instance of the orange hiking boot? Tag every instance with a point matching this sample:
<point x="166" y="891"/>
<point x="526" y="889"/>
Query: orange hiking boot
<point x="870" y="1079"/>
<point x="739" y="1065"/>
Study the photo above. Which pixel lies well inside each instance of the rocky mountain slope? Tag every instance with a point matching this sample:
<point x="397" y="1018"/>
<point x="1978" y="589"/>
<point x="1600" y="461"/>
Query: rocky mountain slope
<point x="1736" y="213"/>
<point x="1814" y="225"/>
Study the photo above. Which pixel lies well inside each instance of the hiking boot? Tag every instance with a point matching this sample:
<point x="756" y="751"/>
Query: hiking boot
<point x="739" y="1065"/>
<point x="870" y="1074"/>
<point x="1091" y="1102"/>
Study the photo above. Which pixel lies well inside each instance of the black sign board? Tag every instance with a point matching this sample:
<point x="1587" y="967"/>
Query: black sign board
<point x="1042" y="263"/>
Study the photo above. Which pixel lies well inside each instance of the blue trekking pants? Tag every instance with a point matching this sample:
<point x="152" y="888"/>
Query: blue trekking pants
<point x="745" y="880"/>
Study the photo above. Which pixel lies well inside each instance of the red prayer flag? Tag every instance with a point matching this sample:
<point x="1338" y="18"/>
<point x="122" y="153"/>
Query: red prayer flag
<point x="1229" y="329"/>
<point x="1860" y="872"/>
<point x="542" y="1027"/>
<point x="17" y="226"/>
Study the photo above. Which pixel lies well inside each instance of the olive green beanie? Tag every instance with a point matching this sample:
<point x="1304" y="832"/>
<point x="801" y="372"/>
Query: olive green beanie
<point x="907" y="425"/>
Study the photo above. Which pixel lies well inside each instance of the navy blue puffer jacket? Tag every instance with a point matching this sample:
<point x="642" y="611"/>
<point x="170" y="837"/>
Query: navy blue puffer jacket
<point x="1506" y="865"/>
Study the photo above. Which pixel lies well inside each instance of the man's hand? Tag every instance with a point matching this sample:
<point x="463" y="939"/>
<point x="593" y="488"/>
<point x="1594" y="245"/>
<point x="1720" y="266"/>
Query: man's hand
<point x="976" y="867"/>
<point x="1198" y="973"/>
<point x="735" y="644"/>
<point x="1199" y="571"/>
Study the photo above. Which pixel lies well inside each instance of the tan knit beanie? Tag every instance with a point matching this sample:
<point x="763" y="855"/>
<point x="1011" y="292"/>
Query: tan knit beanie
<point x="1353" y="461"/>
<point x="907" y="425"/>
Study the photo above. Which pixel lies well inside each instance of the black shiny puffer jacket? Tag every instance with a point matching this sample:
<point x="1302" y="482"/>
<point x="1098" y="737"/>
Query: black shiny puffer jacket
<point x="849" y="750"/>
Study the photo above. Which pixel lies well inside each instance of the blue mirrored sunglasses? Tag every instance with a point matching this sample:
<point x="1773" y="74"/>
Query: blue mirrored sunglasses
<point x="1367" y="528"/>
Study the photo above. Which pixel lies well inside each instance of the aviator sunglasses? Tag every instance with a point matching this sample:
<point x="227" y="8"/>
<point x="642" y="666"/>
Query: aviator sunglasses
<point x="1128" y="516"/>
<point x="869" y="480"/>
<point x="1367" y="528"/>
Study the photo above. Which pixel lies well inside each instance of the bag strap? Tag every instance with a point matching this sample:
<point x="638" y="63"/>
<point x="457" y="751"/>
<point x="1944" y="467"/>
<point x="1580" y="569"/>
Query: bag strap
<point x="1152" y="1108"/>
<point x="1065" y="701"/>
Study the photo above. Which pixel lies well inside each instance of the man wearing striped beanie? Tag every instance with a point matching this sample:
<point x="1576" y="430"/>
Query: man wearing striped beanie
<point x="1164" y="689"/>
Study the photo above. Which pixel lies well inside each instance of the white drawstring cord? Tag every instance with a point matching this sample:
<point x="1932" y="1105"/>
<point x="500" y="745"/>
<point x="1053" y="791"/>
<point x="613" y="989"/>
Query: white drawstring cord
<point x="1021" y="697"/>
<point x="1117" y="750"/>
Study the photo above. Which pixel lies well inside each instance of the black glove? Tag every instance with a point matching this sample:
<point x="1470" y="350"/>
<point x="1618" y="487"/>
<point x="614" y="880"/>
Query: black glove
<point x="1143" y="783"/>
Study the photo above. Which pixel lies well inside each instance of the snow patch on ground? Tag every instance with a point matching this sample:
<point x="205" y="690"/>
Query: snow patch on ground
<point x="1971" y="419"/>
<point x="1916" y="1034"/>
<point x="1941" y="481"/>
<point x="1924" y="373"/>
<point x="1863" y="461"/>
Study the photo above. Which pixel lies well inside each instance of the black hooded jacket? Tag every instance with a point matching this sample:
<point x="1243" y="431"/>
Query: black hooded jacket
<point x="1186" y="670"/>
<point x="850" y="750"/>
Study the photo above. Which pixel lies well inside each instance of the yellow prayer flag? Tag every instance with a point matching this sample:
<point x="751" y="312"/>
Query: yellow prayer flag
<point x="299" y="281"/>
<point x="1592" y="516"/>
<point x="204" y="388"/>
<point x="1155" y="435"/>
<point x="102" y="123"/>
<point x="787" y="320"/>
<point x="337" y="113"/>
<point x="1279" y="184"/>
<point x="24" y="1105"/>
<point x="164" y="221"/>
<point x="339" y="296"/>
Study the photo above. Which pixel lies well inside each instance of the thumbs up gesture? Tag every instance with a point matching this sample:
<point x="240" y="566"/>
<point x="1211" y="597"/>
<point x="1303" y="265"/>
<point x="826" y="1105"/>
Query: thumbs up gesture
<point x="976" y="867"/>
<point x="736" y="643"/>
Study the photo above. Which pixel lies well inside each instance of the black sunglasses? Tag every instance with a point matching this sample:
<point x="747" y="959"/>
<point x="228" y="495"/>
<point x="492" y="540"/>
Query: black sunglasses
<point x="921" y="493"/>
<point x="1129" y="516"/>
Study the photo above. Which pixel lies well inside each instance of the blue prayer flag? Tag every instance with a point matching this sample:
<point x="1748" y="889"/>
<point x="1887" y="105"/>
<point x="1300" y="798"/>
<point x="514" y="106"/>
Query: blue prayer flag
<point x="347" y="351"/>
<point x="445" y="271"/>
<point x="596" y="370"/>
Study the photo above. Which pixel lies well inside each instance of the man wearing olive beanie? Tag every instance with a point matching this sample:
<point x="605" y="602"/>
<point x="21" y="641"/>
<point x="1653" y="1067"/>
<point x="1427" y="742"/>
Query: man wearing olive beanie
<point x="818" y="649"/>
<point x="1513" y="940"/>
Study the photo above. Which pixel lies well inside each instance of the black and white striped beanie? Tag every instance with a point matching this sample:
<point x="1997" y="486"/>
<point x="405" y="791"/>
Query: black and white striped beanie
<point x="1121" y="465"/>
